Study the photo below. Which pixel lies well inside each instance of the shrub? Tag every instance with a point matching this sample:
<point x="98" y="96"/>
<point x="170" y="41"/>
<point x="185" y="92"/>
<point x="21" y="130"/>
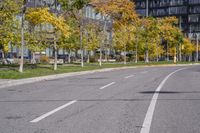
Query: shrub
<point x="44" y="59"/>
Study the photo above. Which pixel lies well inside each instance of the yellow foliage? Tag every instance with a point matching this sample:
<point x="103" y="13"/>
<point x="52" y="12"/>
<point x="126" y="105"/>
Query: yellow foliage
<point x="122" y="11"/>
<point x="42" y="15"/>
<point x="187" y="47"/>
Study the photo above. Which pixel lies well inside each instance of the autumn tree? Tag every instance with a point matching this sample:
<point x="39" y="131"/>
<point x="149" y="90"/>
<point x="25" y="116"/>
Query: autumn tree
<point x="123" y="14"/>
<point x="187" y="48"/>
<point x="73" y="10"/>
<point x="8" y="23"/>
<point x="92" y="38"/>
<point x="171" y="34"/>
<point x="38" y="16"/>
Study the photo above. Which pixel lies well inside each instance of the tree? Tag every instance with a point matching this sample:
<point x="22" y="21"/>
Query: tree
<point x="171" y="34"/>
<point x="187" y="48"/>
<point x="92" y="37"/>
<point x="38" y="16"/>
<point x="35" y="41"/>
<point x="123" y="14"/>
<point x="151" y="35"/>
<point x="73" y="9"/>
<point x="8" y="24"/>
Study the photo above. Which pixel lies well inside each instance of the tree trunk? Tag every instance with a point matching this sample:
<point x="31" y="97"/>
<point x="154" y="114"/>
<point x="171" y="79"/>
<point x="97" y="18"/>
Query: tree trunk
<point x="167" y="55"/>
<point x="22" y="44"/>
<point x="81" y="45"/>
<point x="106" y="56"/>
<point x="136" y="51"/>
<point x="69" y="56"/>
<point x="125" y="55"/>
<point x="81" y="38"/>
<point x="88" y="60"/>
<point x="55" y="54"/>
<point x="175" y="57"/>
<point x="180" y="53"/>
<point x="157" y="56"/>
<point x="136" y="55"/>
<point x="189" y="58"/>
<point x="197" y="48"/>
<point x="3" y="57"/>
<point x="147" y="54"/>
<point x="33" y="61"/>
<point x="100" y="59"/>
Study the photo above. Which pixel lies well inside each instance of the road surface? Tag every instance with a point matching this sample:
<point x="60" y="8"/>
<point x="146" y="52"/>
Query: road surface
<point x="139" y="100"/>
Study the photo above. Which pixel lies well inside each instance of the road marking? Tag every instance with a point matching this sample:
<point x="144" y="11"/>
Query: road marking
<point x="129" y="76"/>
<point x="53" y="111"/>
<point x="144" y="72"/>
<point x="149" y="115"/>
<point x="103" y="87"/>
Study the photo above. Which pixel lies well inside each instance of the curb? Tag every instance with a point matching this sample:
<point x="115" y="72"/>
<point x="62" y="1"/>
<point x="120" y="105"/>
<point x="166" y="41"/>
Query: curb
<point x="59" y="76"/>
<point x="11" y="83"/>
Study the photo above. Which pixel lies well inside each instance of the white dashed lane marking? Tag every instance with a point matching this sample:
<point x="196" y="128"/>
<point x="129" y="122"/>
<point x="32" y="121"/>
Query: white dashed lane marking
<point x="103" y="87"/>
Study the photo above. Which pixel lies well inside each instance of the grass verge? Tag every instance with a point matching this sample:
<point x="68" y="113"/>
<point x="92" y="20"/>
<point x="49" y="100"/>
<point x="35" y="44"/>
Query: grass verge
<point x="11" y="71"/>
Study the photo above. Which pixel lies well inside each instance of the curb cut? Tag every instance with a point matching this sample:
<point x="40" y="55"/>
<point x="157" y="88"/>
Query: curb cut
<point x="64" y="75"/>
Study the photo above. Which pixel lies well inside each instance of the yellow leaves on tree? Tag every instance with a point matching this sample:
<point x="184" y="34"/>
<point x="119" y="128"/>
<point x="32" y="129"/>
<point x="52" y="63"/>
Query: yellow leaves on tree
<point x="120" y="10"/>
<point x="42" y="15"/>
<point x="168" y="29"/>
<point x="187" y="47"/>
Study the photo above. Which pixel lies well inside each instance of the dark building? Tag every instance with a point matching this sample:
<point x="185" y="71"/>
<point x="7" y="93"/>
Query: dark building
<point x="187" y="11"/>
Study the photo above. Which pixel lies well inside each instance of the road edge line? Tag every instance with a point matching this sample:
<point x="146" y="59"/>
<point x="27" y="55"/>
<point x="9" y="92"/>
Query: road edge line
<point x="150" y="112"/>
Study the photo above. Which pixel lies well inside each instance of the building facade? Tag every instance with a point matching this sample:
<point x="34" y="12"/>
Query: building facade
<point x="187" y="11"/>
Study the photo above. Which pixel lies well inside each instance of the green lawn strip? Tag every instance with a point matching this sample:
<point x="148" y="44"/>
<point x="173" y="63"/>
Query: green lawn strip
<point x="11" y="72"/>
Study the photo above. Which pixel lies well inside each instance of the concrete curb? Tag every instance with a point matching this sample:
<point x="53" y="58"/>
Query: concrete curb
<point x="59" y="76"/>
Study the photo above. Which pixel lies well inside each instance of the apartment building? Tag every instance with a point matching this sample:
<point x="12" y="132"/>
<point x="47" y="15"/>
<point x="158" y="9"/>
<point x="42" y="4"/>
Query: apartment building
<point x="187" y="11"/>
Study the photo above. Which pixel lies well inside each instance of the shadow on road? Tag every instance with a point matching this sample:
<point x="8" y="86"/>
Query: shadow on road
<point x="168" y="92"/>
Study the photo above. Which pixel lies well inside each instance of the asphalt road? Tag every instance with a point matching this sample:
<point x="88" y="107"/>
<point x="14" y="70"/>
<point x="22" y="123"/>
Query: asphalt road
<point x="139" y="100"/>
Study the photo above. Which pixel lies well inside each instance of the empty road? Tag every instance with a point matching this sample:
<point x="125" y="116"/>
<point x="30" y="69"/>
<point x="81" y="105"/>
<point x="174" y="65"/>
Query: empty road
<point x="136" y="100"/>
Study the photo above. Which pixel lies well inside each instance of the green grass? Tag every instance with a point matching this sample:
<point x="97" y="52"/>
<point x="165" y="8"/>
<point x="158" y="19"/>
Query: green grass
<point x="11" y="71"/>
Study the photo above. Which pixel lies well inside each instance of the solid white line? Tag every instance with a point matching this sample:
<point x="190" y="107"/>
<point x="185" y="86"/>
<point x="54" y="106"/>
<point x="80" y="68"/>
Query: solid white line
<point x="53" y="111"/>
<point x="129" y="76"/>
<point x="149" y="115"/>
<point x="107" y="85"/>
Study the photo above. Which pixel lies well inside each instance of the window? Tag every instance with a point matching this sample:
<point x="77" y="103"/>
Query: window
<point x="194" y="1"/>
<point x="178" y="10"/>
<point x="194" y="18"/>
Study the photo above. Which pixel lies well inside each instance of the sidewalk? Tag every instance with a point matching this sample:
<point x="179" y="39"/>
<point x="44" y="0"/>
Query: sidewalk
<point x="8" y="83"/>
